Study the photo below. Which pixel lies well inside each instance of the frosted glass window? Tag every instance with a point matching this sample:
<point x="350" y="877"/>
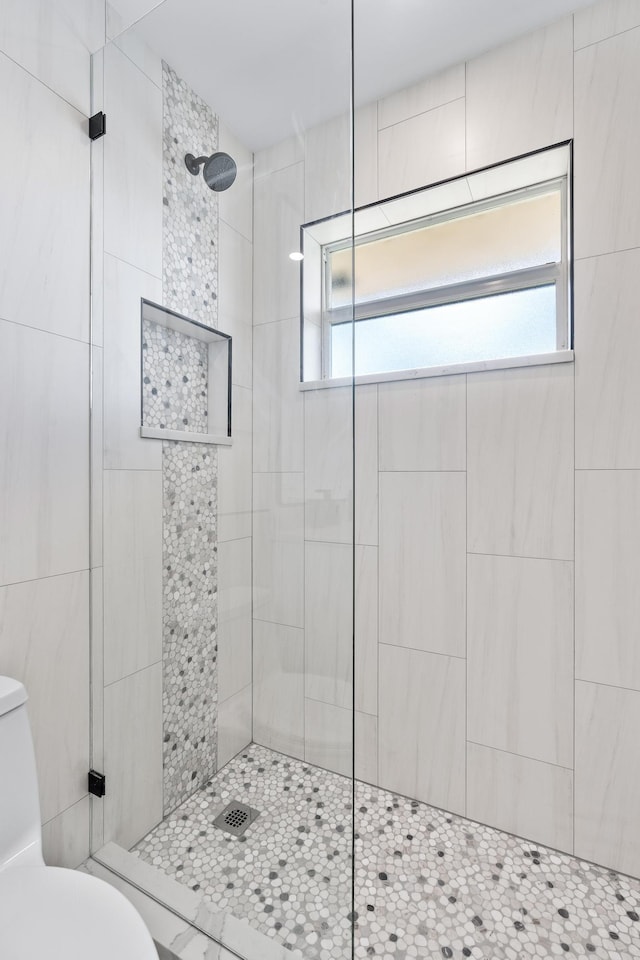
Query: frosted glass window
<point x="507" y="325"/>
<point x="475" y="269"/>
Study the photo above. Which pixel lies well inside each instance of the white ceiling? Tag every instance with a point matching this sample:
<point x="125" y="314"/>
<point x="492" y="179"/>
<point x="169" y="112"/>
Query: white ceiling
<point x="271" y="68"/>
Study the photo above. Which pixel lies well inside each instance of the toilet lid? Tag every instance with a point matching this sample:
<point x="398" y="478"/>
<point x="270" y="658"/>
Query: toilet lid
<point x="67" y="915"/>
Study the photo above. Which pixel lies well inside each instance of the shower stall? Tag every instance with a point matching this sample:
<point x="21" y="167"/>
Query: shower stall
<point x="347" y="503"/>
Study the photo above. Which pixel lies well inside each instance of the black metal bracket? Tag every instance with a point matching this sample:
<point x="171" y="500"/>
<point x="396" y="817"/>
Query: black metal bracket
<point x="97" y="126"/>
<point x="97" y="783"/>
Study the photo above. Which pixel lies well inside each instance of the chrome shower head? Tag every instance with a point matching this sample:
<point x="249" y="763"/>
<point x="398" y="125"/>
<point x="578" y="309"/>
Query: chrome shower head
<point x="219" y="169"/>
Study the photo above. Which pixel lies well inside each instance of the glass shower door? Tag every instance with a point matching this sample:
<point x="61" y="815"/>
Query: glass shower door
<point x="223" y="495"/>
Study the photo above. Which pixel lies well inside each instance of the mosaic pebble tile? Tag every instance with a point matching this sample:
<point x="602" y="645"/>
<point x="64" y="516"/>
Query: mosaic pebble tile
<point x="190" y="272"/>
<point x="190" y="223"/>
<point x="174" y="380"/>
<point x="189" y="654"/>
<point x="429" y="884"/>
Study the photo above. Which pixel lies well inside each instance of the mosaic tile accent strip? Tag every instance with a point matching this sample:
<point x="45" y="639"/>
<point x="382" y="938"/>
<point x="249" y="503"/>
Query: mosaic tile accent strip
<point x="174" y="379"/>
<point x="429" y="884"/>
<point x="190" y="223"/>
<point x="190" y="271"/>
<point x="189" y="556"/>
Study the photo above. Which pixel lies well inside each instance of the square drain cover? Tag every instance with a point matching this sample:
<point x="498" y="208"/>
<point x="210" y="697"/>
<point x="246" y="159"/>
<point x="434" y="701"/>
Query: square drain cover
<point x="235" y="818"/>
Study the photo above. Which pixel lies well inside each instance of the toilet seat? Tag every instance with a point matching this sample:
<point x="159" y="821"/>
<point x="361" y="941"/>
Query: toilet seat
<point x="67" y="915"/>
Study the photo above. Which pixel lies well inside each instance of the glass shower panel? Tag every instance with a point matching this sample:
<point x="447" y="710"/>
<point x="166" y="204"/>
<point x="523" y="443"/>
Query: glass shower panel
<point x="222" y="629"/>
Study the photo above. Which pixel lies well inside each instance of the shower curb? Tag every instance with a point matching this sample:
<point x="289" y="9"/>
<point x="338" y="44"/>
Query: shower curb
<point x="188" y="906"/>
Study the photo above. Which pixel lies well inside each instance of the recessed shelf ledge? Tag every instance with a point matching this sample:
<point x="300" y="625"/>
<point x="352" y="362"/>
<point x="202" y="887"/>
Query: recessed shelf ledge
<point x="477" y="366"/>
<point x="155" y="433"/>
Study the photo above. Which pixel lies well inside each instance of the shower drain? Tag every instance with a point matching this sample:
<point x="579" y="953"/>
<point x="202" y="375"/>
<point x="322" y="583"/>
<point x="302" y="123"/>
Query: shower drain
<point x="235" y="818"/>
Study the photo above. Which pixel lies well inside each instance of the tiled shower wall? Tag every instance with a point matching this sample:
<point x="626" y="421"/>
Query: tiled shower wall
<point x="44" y="395"/>
<point x="498" y="516"/>
<point x="172" y="522"/>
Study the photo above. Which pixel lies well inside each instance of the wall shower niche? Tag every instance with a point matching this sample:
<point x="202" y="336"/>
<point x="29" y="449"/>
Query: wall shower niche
<point x="186" y="378"/>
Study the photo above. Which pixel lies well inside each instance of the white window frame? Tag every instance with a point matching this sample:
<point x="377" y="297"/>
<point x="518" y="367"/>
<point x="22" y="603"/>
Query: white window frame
<point x="555" y="160"/>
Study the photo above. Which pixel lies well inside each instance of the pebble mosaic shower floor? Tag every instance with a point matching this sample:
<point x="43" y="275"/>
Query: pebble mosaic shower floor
<point x="429" y="884"/>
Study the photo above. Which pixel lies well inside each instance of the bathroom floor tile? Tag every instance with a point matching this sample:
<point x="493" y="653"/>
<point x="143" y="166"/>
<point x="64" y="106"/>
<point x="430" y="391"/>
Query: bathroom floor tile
<point x="428" y="884"/>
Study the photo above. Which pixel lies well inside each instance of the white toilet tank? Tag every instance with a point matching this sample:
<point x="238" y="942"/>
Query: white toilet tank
<point x="20" y="835"/>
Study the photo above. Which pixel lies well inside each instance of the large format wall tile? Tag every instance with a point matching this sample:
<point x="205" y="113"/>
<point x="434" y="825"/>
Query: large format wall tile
<point x="53" y="40"/>
<point x="519" y="97"/>
<point x="607" y="290"/>
<point x="366" y="463"/>
<point x="328" y="737"/>
<point x="278" y="548"/>
<point x="422" y="561"/>
<point x="278" y="214"/>
<point x="520" y="656"/>
<point x="366" y="629"/>
<point x="365" y="154"/>
<point x="133" y="756"/>
<point x="132" y="571"/>
<point x="328" y="610"/>
<point x="234" y="617"/>
<point x="520" y="462"/>
<point x="234" y="472"/>
<point x="124" y="448"/>
<point x="421" y="726"/>
<point x="65" y="839"/>
<point x="284" y="154"/>
<point x="327" y="167"/>
<point x="521" y="796"/>
<point x="44" y="454"/>
<point x="236" y="206"/>
<point x="607" y="146"/>
<point x="366" y="748"/>
<point x="278" y="687"/>
<point x="604" y="19"/>
<point x="234" y="724"/>
<point x="278" y="408"/>
<point x="607" y="561"/>
<point x="422" y="150"/>
<point x="607" y="776"/>
<point x="422" y="424"/>
<point x="328" y="465"/>
<point x="44" y="643"/>
<point x="430" y="93"/>
<point x="235" y="302"/>
<point x="133" y="165"/>
<point x="44" y="229"/>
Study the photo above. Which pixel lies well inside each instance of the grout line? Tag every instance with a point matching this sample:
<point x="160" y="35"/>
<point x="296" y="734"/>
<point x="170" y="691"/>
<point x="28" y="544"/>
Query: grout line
<point x="429" y="653"/>
<point x="610" y="686"/>
<point x="51" y="333"/>
<point x="128" y="263"/>
<point x="115" y="43"/>
<point x="43" y="83"/>
<point x="421" y="113"/>
<point x="520" y="756"/>
<point x="50" y="576"/>
<point x="611" y="36"/>
<point x="606" y="253"/>
<point x="134" y="673"/>
<point x="514" y="556"/>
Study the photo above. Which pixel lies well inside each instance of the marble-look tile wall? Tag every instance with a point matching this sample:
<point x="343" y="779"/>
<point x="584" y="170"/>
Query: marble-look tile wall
<point x="168" y="706"/>
<point x="485" y="538"/>
<point x="44" y="396"/>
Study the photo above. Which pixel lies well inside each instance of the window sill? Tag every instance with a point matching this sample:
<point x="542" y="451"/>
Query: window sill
<point x="506" y="363"/>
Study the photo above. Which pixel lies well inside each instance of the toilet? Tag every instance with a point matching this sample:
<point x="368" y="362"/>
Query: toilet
<point x="49" y="911"/>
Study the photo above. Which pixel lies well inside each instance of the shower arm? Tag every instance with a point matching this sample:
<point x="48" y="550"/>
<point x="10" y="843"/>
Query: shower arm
<point x="193" y="164"/>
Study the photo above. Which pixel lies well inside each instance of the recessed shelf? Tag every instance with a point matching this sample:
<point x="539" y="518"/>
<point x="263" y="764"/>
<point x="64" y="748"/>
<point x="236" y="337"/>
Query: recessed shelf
<point x="185" y="378"/>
